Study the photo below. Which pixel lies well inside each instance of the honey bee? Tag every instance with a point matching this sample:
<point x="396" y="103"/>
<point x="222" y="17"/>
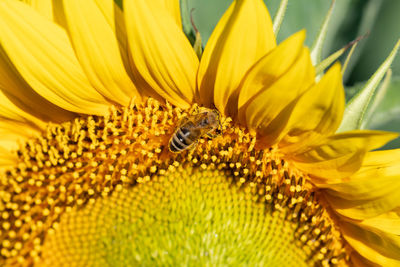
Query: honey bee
<point x="192" y="128"/>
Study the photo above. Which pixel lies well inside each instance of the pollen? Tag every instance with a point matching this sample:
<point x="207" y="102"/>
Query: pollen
<point x="67" y="180"/>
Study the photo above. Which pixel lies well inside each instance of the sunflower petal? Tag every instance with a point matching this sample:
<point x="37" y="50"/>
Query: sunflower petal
<point x="363" y="209"/>
<point x="12" y="134"/>
<point x="242" y="36"/>
<point x="162" y="56"/>
<point x="359" y="261"/>
<point x="270" y="102"/>
<point x="371" y="191"/>
<point x="269" y="68"/>
<point x="97" y="49"/>
<point x="317" y="113"/>
<point x="7" y="158"/>
<point x="340" y="155"/>
<point x="44" y="7"/>
<point x="388" y="222"/>
<point x="115" y="18"/>
<point x="48" y="63"/>
<point x="378" y="247"/>
<point x="174" y="10"/>
<point x="16" y="90"/>
<point x="10" y="112"/>
<point x="377" y="177"/>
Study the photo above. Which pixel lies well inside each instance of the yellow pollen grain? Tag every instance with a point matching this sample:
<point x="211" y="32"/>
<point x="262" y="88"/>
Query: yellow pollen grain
<point x="39" y="224"/>
<point x="119" y="187"/>
<point x="153" y="169"/>
<point x="6" y="225"/>
<point x="6" y="243"/>
<point x="57" y="210"/>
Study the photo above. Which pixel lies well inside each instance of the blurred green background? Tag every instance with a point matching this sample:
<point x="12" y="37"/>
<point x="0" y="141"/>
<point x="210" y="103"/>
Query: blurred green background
<point x="350" y="19"/>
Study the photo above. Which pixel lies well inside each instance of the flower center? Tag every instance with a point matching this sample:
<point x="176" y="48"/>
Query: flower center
<point x="108" y="190"/>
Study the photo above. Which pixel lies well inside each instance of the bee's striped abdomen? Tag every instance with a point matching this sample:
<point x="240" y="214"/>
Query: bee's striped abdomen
<point x="180" y="140"/>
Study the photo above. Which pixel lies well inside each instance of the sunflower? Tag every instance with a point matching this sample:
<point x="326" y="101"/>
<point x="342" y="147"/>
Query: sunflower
<point x="91" y="94"/>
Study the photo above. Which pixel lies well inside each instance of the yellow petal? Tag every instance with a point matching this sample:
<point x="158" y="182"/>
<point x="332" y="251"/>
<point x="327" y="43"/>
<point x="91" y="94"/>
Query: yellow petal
<point x="162" y="56"/>
<point x="115" y="18"/>
<point x="363" y="209"/>
<point x="268" y="69"/>
<point x="174" y="9"/>
<point x="10" y="112"/>
<point x="388" y="222"/>
<point x="317" y="113"/>
<point x="7" y="158"/>
<point x="378" y="175"/>
<point x="242" y="36"/>
<point x="48" y="63"/>
<point x="380" y="248"/>
<point x="96" y="47"/>
<point x="274" y="102"/>
<point x="359" y="261"/>
<point x="44" y="7"/>
<point x="340" y="155"/>
<point x="15" y="88"/>
<point x="12" y="134"/>
<point x="16" y="126"/>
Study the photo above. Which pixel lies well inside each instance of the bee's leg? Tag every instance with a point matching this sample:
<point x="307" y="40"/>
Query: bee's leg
<point x="219" y="126"/>
<point x="219" y="129"/>
<point x="196" y="109"/>
<point x="211" y="135"/>
<point x="192" y="148"/>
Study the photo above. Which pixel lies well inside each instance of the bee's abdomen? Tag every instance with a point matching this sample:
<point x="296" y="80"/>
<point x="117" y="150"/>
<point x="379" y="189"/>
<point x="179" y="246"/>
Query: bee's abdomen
<point x="180" y="140"/>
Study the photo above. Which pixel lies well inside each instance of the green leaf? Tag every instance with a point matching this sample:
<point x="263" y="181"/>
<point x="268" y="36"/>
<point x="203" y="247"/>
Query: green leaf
<point x="355" y="110"/>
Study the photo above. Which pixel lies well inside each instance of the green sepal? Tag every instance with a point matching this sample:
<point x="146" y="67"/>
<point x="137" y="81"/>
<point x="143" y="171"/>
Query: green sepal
<point x="280" y="14"/>
<point x="316" y="49"/>
<point x="357" y="107"/>
<point x="190" y="30"/>
<point x="187" y="22"/>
